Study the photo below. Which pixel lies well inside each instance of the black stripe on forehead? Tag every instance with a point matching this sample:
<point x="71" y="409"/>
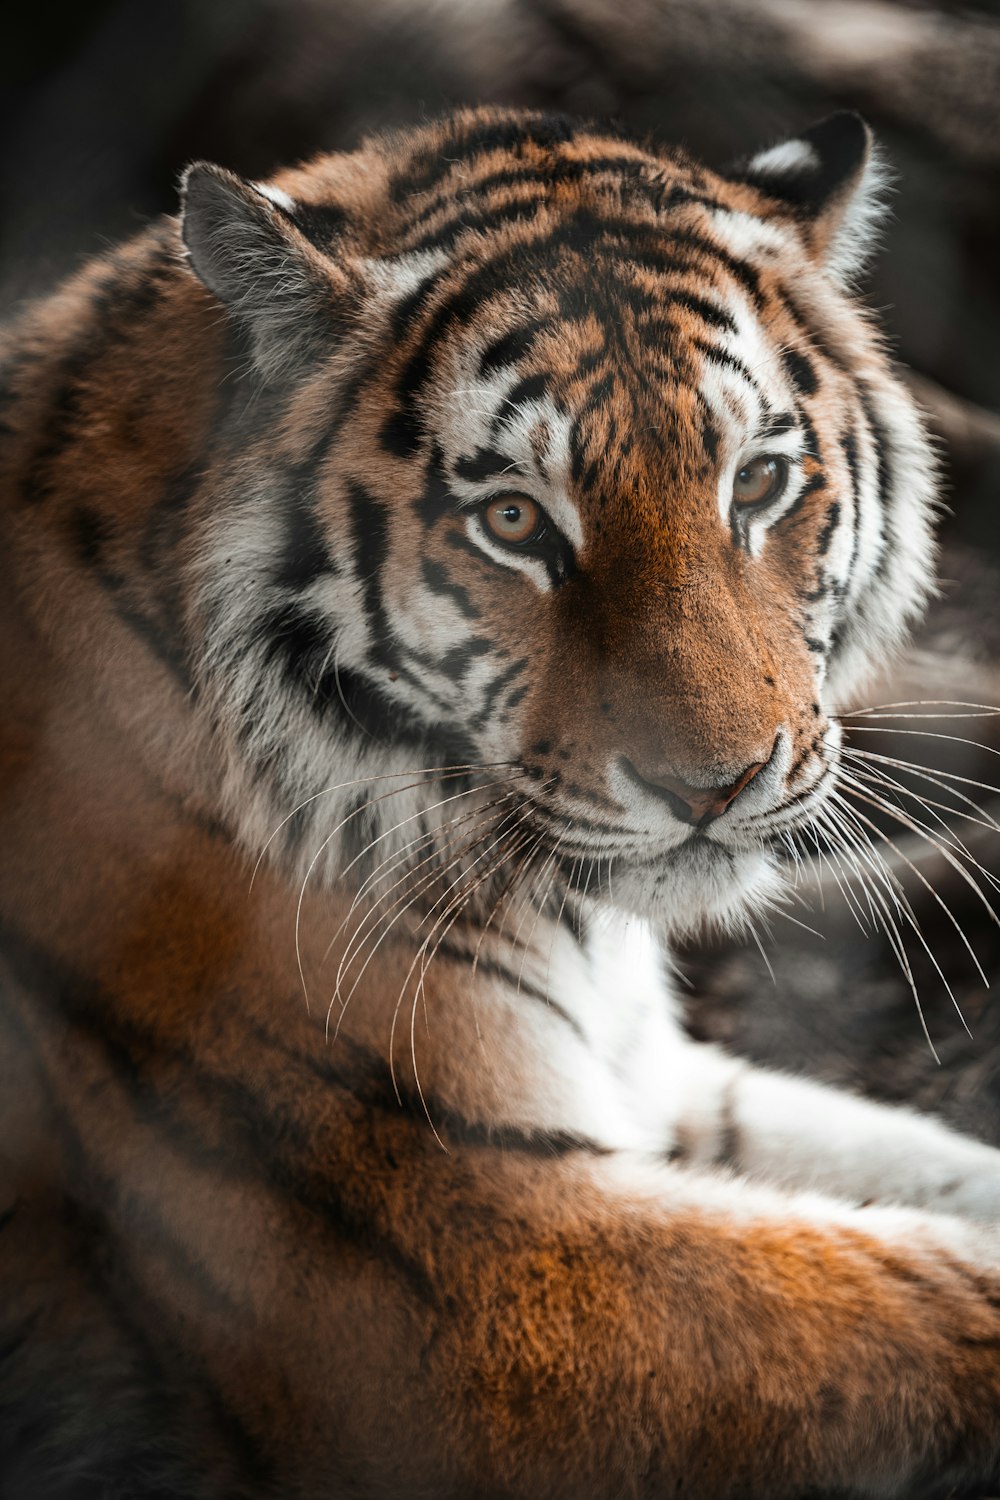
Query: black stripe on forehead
<point x="517" y="211"/>
<point x="467" y="138"/>
<point x="641" y="175"/>
<point x="530" y="388"/>
<point x="778" y="425"/>
<point x="485" y="463"/>
<point x="511" y="347"/>
<point x="727" y="361"/>
<point x="583" y="232"/>
<point x="707" y="311"/>
<point x="634" y="182"/>
<point x="685" y="250"/>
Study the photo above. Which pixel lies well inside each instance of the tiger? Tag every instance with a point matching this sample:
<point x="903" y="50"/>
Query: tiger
<point x="433" y="575"/>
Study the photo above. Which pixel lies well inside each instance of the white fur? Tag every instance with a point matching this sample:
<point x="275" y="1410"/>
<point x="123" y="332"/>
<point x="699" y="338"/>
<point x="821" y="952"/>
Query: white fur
<point x="277" y="196"/>
<point x="789" y="156"/>
<point x="858" y="231"/>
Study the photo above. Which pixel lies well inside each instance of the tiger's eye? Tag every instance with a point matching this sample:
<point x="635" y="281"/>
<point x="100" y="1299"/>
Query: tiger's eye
<point x="513" y="519"/>
<point x="760" y="479"/>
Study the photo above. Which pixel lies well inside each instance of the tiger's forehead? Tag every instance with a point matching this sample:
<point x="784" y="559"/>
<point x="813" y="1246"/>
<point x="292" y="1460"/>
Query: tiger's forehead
<point x="615" y="396"/>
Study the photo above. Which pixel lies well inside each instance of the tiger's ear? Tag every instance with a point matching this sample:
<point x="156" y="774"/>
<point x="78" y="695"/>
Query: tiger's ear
<point x="833" y="179"/>
<point x="243" y="245"/>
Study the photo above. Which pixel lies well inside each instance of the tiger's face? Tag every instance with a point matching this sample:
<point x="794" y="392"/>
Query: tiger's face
<point x="622" y="495"/>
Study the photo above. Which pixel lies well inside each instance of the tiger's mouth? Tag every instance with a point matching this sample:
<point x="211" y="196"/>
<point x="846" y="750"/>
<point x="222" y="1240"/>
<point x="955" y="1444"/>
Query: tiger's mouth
<point x="721" y="875"/>
<point x="571" y="837"/>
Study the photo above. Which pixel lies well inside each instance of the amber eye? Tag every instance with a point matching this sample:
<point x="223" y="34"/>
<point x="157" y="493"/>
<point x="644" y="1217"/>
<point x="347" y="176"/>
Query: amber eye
<point x="514" y="519"/>
<point x="759" y="480"/>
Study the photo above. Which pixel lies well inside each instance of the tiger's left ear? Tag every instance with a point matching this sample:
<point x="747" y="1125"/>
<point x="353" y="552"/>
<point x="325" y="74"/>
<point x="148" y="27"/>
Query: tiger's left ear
<point x="833" y="180"/>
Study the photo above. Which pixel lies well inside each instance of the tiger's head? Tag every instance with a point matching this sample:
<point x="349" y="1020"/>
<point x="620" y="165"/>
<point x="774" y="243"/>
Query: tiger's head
<point x="567" y="460"/>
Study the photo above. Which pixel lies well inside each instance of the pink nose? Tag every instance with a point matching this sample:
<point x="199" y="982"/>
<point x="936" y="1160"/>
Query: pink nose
<point x="693" y="804"/>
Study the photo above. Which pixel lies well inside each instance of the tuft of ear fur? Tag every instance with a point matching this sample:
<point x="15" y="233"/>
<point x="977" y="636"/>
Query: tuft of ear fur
<point x="833" y="179"/>
<point x="243" y="245"/>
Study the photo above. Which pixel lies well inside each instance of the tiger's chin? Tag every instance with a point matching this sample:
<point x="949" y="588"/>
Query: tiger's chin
<point x="700" y="885"/>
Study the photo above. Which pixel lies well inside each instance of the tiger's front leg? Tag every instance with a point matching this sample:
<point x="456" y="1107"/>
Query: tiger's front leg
<point x="665" y="1333"/>
<point x="799" y="1134"/>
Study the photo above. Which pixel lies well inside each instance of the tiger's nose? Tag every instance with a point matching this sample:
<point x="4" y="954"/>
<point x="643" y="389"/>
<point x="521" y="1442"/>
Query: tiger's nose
<point x="697" y="805"/>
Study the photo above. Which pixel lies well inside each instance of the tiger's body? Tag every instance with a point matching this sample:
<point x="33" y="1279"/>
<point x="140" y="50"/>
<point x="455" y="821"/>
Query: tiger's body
<point x="403" y="519"/>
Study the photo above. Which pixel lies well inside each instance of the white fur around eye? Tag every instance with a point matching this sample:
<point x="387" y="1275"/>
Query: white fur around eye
<point x="508" y="557"/>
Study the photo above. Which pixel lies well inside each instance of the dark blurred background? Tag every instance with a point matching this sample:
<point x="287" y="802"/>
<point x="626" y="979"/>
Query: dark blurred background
<point x="103" y="103"/>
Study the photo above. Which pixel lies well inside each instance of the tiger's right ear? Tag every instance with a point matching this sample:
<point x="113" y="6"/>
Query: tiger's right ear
<point x="244" y="247"/>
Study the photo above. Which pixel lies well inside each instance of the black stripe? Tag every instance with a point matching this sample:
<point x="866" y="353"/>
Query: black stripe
<point x="90" y="533"/>
<point x="813" y="334"/>
<point x="516" y="211"/>
<point x="510" y="348"/>
<point x="486" y="463"/>
<point x="849" y="445"/>
<point x="880" y="442"/>
<point x="300" y="642"/>
<point x="800" y="371"/>
<point x="829" y="527"/>
<point x="114" y="316"/>
<point x="496" y="687"/>
<point x="513" y="699"/>
<point x="402" y="430"/>
<point x="530" y="388"/>
<point x="437" y="502"/>
<point x="668" y="256"/>
<point x="369" y="520"/>
<point x="439" y="581"/>
<point x="521" y="986"/>
<point x="321" y="223"/>
<point x="812" y="486"/>
<point x="777" y="426"/>
<point x="727" y="361"/>
<point x="132" y="1449"/>
<point x="273" y="1138"/>
<point x="168" y="651"/>
<point x="464" y="141"/>
<point x="640" y="178"/>
<point x="305" y="555"/>
<point x="702" y="309"/>
<point x="457" y="659"/>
